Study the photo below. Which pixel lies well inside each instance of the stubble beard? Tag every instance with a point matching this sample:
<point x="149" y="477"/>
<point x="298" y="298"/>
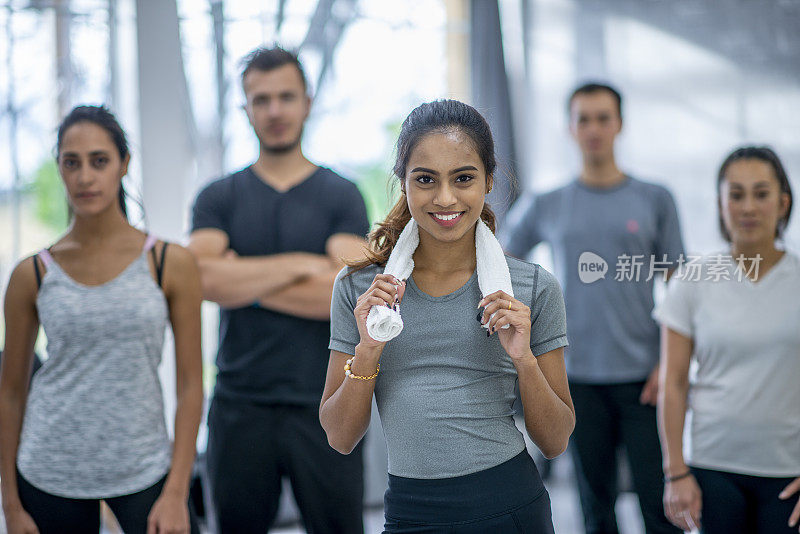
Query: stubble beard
<point x="280" y="149"/>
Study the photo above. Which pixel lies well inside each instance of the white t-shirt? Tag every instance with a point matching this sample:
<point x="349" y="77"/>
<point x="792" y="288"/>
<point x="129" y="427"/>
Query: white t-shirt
<point x="744" y="395"/>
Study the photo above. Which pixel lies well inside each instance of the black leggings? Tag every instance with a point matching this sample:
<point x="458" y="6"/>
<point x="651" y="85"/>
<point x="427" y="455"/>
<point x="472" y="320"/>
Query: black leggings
<point x="60" y="514"/>
<point x="745" y="504"/>
<point x="508" y="498"/>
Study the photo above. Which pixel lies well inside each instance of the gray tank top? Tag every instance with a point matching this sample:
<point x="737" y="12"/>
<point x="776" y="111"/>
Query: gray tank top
<point x="94" y="423"/>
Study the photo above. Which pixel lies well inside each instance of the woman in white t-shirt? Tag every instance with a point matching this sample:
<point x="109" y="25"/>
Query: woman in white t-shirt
<point x="731" y="364"/>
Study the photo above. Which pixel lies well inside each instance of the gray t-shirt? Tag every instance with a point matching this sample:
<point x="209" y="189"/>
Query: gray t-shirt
<point x="612" y="337"/>
<point x="744" y="399"/>
<point x="445" y="391"/>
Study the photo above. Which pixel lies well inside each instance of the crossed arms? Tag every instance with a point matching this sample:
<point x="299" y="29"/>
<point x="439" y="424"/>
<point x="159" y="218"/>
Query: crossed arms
<point x="294" y="283"/>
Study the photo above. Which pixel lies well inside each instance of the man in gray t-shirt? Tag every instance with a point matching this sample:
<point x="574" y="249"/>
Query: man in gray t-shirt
<point x="611" y="236"/>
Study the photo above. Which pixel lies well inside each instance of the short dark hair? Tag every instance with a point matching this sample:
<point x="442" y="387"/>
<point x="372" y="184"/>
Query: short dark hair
<point x="266" y="59"/>
<point x="767" y="155"/>
<point x="102" y="117"/>
<point x="595" y="87"/>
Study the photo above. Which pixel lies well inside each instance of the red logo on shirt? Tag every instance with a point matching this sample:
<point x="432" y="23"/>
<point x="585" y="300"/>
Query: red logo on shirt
<point x="632" y="225"/>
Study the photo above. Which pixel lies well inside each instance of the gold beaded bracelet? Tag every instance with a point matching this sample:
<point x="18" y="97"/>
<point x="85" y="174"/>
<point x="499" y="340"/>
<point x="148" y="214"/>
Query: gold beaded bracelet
<point x="349" y="373"/>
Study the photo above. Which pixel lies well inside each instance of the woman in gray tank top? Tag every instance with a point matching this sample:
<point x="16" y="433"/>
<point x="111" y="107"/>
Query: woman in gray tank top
<point x="444" y="389"/>
<point x="92" y="426"/>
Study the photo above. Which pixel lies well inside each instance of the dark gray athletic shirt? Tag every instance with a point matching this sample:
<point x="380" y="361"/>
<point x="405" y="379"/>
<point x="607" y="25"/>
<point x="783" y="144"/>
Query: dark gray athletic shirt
<point x="445" y="391"/>
<point x="266" y="356"/>
<point x="612" y="337"/>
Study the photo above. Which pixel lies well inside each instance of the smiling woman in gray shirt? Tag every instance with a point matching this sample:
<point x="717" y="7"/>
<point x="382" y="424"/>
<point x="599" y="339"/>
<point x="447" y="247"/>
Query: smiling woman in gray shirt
<point x="444" y="388"/>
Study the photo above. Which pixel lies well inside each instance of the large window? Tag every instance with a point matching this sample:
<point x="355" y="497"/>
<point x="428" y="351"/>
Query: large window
<point x="687" y="103"/>
<point x="384" y="59"/>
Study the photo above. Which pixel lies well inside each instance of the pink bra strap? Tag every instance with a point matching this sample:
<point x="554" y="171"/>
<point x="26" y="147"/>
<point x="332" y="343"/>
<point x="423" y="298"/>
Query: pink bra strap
<point x="47" y="259"/>
<point x="149" y="242"/>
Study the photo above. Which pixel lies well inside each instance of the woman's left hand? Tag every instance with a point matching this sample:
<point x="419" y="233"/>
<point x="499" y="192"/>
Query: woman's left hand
<point x="169" y="515"/>
<point x="788" y="491"/>
<point x="516" y="340"/>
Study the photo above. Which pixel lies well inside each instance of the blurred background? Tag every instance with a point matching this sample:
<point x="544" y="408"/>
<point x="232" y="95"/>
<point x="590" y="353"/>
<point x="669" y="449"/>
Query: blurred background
<point x="698" y="77"/>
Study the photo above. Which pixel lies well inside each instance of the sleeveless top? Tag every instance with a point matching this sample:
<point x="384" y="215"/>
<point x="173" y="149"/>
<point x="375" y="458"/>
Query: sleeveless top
<point x="94" y="422"/>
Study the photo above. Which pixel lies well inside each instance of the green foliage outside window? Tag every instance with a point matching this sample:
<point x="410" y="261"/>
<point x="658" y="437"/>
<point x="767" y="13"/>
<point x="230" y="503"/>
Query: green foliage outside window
<point x="50" y="199"/>
<point x="378" y="185"/>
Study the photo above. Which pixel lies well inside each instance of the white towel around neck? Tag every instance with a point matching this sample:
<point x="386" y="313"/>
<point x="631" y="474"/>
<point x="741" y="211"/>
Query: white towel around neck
<point x="384" y="323"/>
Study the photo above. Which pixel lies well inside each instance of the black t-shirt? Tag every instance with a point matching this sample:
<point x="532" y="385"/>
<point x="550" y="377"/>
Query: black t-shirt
<point x="265" y="356"/>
